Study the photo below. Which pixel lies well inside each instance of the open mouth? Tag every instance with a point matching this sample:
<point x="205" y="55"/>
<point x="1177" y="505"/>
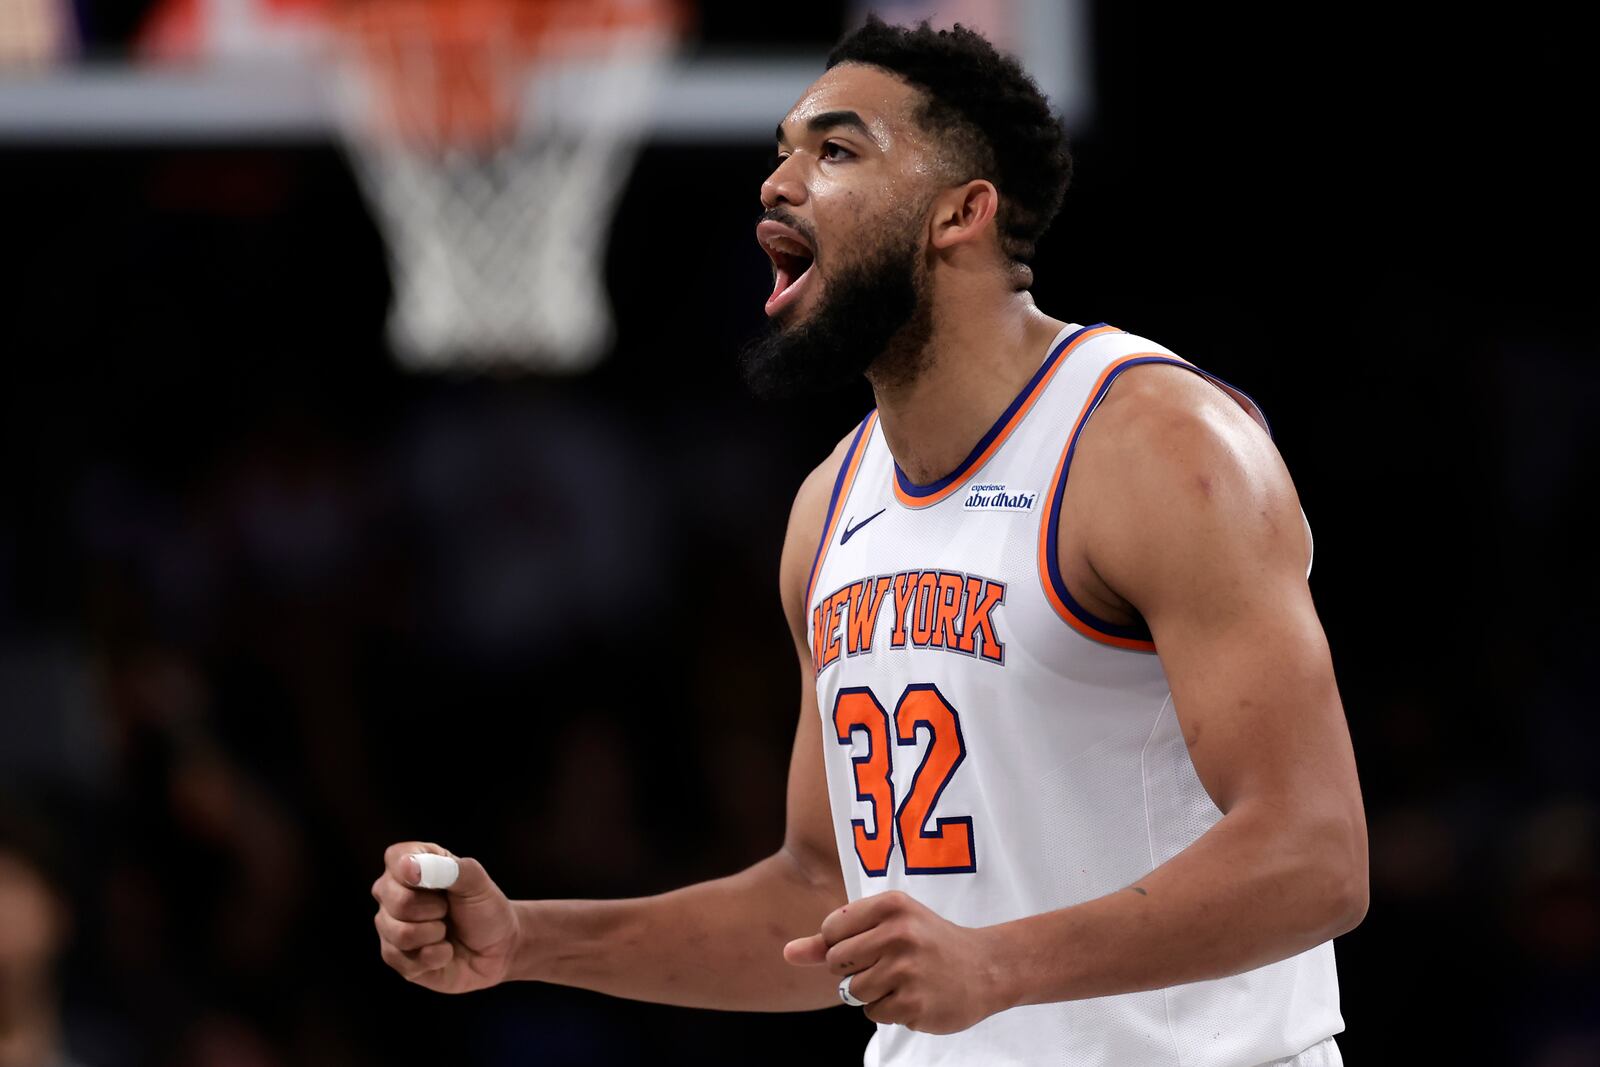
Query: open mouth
<point x="792" y="259"/>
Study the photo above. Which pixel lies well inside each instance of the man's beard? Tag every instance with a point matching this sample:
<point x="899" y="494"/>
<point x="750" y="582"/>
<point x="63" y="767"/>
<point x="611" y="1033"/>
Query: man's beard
<point x="873" y="314"/>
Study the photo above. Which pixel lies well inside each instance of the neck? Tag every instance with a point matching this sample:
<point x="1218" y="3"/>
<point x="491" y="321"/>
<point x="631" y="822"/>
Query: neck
<point x="977" y="358"/>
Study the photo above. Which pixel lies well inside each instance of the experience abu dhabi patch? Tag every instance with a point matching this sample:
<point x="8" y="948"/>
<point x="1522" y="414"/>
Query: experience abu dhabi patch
<point x="997" y="496"/>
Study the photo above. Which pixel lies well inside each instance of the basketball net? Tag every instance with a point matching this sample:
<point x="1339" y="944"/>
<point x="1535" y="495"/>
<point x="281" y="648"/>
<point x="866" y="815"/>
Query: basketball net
<point x="493" y="139"/>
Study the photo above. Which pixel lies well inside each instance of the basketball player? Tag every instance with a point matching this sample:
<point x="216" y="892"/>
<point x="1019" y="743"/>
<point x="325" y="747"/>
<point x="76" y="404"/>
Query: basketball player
<point x="1072" y="782"/>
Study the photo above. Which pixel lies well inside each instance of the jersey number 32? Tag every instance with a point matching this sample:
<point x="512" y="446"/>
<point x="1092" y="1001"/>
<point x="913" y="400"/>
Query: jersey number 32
<point x="948" y="847"/>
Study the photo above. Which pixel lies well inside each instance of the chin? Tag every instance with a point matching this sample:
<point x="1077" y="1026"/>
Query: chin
<point x="790" y="317"/>
<point x="787" y="319"/>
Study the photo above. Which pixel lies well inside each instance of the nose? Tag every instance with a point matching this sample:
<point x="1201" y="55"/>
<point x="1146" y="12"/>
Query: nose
<point x="783" y="185"/>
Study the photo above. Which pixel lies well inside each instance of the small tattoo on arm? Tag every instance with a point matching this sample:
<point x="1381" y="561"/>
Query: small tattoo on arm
<point x="1139" y="890"/>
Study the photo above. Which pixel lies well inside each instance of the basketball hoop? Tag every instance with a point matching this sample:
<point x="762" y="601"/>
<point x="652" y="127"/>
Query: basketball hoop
<point x="493" y="139"/>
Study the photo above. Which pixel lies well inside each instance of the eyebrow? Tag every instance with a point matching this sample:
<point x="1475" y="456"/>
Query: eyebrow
<point x="828" y="120"/>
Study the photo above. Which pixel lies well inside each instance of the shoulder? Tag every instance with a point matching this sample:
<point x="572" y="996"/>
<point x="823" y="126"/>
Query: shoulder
<point x="1180" y="475"/>
<point x="1159" y="404"/>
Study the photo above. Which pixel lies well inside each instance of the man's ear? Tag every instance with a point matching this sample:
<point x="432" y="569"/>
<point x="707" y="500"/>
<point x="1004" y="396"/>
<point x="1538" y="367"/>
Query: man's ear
<point x="964" y="213"/>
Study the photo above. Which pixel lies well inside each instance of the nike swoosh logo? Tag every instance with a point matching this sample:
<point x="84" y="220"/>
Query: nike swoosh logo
<point x="850" y="531"/>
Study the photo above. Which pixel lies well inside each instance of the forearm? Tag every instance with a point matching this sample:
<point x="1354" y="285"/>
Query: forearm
<point x="1245" y="894"/>
<point x="716" y="944"/>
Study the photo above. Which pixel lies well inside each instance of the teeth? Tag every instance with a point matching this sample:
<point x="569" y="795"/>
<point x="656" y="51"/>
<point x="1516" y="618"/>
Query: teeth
<point x="788" y="247"/>
<point x="792" y="260"/>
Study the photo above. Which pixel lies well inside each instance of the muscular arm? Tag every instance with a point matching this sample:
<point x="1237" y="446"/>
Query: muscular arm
<point x="718" y="944"/>
<point x="1196" y="525"/>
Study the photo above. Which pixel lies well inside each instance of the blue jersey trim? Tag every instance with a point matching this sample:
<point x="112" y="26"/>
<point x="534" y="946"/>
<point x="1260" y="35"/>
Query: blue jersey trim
<point x="911" y="488"/>
<point x="1230" y="387"/>
<point x="833" y="504"/>
<point x="1053" y="515"/>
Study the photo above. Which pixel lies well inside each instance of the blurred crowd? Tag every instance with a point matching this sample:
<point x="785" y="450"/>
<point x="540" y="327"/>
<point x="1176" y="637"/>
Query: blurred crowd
<point x="492" y="622"/>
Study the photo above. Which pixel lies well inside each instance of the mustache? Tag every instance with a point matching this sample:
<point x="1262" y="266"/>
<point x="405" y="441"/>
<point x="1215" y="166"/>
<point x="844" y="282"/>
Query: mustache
<point x="795" y="222"/>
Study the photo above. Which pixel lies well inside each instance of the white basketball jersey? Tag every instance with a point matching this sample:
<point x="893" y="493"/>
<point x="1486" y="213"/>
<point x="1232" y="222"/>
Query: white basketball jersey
<point x="996" y="751"/>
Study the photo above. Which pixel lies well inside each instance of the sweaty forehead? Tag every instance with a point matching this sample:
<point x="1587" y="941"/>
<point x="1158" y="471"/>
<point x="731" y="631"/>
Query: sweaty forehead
<point x="885" y="103"/>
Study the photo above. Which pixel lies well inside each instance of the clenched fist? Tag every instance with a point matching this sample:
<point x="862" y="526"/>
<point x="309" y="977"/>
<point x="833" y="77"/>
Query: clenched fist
<point x="911" y="966"/>
<point x="449" y="940"/>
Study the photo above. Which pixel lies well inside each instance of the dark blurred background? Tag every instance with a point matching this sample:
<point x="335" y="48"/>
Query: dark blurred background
<point x="268" y="603"/>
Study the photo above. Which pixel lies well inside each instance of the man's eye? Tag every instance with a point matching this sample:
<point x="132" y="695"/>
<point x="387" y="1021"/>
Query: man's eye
<point x="835" y="150"/>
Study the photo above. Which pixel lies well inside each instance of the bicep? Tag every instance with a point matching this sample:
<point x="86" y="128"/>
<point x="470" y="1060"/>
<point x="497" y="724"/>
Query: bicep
<point x="1203" y="535"/>
<point x="1255" y="695"/>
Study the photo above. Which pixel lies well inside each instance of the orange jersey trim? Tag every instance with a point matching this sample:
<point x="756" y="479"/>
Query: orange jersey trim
<point x="841" y="492"/>
<point x="1049" y="568"/>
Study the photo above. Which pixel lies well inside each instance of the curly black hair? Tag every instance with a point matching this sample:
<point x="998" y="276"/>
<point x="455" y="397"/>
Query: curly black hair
<point x="986" y="109"/>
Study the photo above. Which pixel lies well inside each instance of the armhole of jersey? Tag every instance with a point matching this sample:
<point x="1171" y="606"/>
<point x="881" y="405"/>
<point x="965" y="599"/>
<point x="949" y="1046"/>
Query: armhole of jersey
<point x="841" y="492"/>
<point x="1133" y="638"/>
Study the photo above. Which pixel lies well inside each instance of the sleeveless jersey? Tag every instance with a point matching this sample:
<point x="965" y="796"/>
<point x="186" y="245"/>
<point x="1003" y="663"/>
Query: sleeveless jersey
<point x="996" y="751"/>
